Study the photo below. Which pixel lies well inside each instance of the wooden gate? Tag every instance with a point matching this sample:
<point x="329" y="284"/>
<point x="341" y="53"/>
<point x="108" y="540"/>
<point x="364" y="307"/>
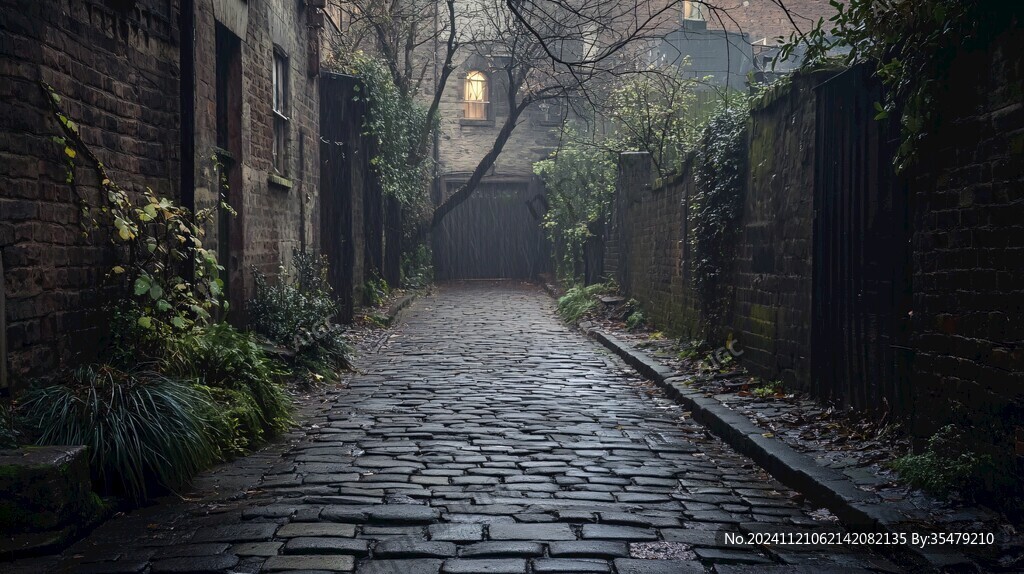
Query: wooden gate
<point x="861" y="281"/>
<point x="343" y="168"/>
<point x="494" y="234"/>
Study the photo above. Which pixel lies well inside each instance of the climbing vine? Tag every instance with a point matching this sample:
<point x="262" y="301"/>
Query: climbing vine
<point x="395" y="122"/>
<point x="911" y="42"/>
<point x="716" y="205"/>
<point x="172" y="278"/>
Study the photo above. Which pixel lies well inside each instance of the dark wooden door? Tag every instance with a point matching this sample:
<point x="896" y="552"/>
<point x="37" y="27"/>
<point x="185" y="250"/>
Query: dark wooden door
<point x="495" y="234"/>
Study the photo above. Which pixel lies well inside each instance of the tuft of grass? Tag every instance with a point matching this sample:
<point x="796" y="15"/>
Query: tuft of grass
<point x="580" y="300"/>
<point x="139" y="426"/>
<point x="636" y="318"/>
<point x="946" y="467"/>
<point x="766" y="390"/>
<point x="238" y="377"/>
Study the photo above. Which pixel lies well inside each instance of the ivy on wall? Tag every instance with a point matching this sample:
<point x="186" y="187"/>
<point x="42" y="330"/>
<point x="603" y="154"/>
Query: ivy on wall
<point x="720" y="168"/>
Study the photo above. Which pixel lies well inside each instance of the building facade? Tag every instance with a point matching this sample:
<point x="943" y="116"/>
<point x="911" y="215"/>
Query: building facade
<point x="198" y="100"/>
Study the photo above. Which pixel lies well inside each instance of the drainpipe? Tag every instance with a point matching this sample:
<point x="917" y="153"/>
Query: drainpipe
<point x="187" y="101"/>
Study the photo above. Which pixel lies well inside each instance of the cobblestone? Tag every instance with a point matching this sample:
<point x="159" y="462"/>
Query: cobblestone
<point x="484" y="436"/>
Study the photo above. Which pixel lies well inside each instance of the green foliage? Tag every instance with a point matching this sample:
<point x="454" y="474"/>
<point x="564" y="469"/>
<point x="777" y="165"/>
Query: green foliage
<point x="375" y="291"/>
<point x="720" y="175"/>
<point x="764" y="391"/>
<point x="635" y="319"/>
<point x="240" y="379"/>
<point x="138" y="425"/>
<point x="297" y="311"/>
<point x="580" y="183"/>
<point x="655" y="111"/>
<point x="912" y="42"/>
<point x="580" y="300"/>
<point x="417" y="267"/>
<point x="396" y="122"/>
<point x="947" y="466"/>
<point x="159" y="243"/>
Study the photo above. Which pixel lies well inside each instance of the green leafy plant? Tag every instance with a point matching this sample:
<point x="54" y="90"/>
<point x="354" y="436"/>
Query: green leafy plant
<point x="579" y="300"/>
<point x="375" y="291"/>
<point x="159" y="243"/>
<point x="395" y="121"/>
<point x="296" y="312"/>
<point x="242" y="381"/>
<point x="764" y="391"/>
<point x="141" y="427"/>
<point x="720" y="176"/>
<point x="655" y="111"/>
<point x="635" y="319"/>
<point x="417" y="268"/>
<point x="947" y="465"/>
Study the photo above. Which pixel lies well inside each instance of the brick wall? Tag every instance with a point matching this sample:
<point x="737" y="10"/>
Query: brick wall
<point x="274" y="219"/>
<point x="116" y="72"/>
<point x="772" y="276"/>
<point x="968" y="262"/>
<point x="770" y="282"/>
<point x="651" y="247"/>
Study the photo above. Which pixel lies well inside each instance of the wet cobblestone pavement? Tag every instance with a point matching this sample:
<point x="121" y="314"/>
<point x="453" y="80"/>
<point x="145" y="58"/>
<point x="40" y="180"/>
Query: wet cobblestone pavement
<point x="484" y="437"/>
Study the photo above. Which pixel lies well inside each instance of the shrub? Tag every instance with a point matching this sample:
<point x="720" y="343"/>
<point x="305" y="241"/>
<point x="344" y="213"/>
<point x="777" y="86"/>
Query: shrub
<point x="375" y="291"/>
<point x="417" y="267"/>
<point x="236" y="374"/>
<point x="296" y="312"/>
<point x="635" y="317"/>
<point x="946" y="466"/>
<point x="580" y="300"/>
<point x="140" y="427"/>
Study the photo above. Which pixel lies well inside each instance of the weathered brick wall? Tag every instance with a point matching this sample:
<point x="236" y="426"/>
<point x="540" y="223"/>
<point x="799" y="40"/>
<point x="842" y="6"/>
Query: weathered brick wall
<point x="770" y="281"/>
<point x="650" y="232"/>
<point x="275" y="219"/>
<point x="116" y="72"/>
<point x="968" y="243"/>
<point x="772" y="274"/>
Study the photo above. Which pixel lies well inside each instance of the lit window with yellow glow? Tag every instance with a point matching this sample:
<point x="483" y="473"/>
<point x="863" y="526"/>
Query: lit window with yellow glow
<point x="693" y="10"/>
<point x="476" y="96"/>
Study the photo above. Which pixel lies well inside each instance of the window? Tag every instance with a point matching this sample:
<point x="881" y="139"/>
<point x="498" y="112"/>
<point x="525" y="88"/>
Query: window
<point x="280" y="146"/>
<point x="476" y="96"/>
<point x="693" y="10"/>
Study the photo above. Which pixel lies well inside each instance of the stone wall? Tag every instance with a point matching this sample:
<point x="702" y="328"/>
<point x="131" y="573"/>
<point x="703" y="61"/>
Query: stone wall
<point x="116" y="73"/>
<point x="968" y="247"/>
<point x="771" y="311"/>
<point x="769" y="286"/>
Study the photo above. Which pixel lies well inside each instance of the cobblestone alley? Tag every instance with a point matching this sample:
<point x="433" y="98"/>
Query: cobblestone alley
<point x="483" y="437"/>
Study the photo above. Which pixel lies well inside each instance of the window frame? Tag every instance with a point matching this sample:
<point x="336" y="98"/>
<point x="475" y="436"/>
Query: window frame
<point x="484" y="103"/>
<point x="280" y="100"/>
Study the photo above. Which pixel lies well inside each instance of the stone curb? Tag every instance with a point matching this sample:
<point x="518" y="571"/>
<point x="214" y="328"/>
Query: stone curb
<point x="857" y="509"/>
<point x="396" y="308"/>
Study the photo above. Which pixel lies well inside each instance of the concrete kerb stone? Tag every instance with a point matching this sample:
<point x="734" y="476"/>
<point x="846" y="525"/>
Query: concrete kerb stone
<point x="396" y="308"/>
<point x="857" y="509"/>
